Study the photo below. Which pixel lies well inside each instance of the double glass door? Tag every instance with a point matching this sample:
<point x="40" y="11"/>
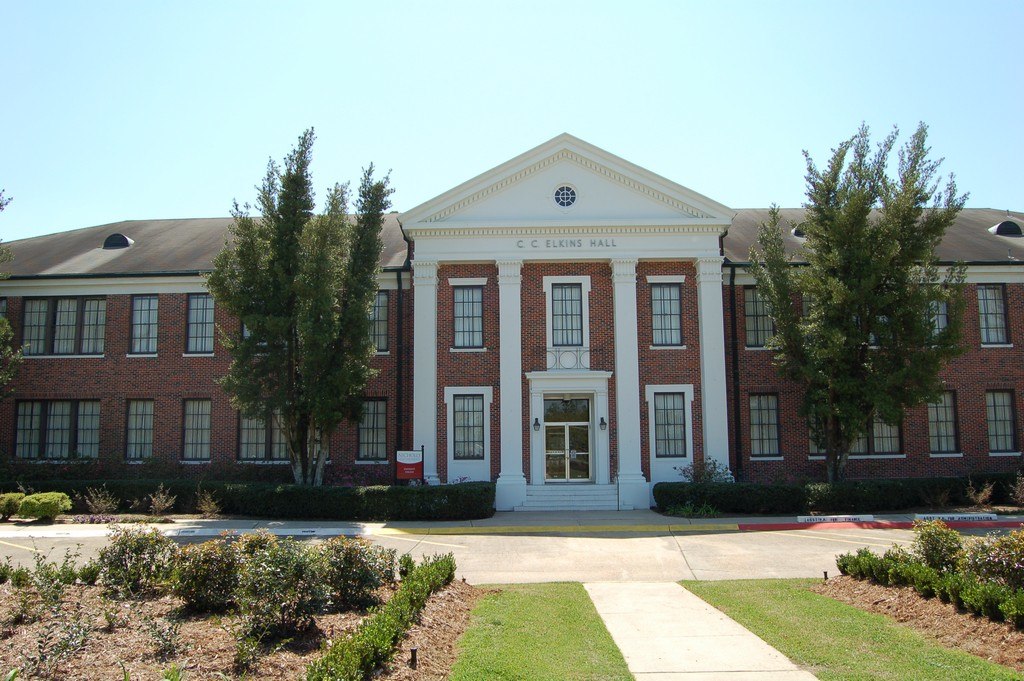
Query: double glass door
<point x="567" y="440"/>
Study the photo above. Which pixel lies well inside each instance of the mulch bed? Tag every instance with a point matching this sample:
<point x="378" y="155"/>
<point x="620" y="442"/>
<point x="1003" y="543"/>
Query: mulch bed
<point x="205" y="646"/>
<point x="945" y="623"/>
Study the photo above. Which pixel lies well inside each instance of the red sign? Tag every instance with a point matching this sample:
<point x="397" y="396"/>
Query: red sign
<point x="410" y="465"/>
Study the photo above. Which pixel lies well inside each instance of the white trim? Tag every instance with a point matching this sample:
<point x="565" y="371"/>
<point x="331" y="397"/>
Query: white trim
<point x="997" y="345"/>
<point x="382" y="353"/>
<point x="664" y="469"/>
<point x="467" y="349"/>
<point x="424" y="357"/>
<point x="53" y="356"/>
<point x="141" y="354"/>
<point x="474" y="469"/>
<point x="375" y="462"/>
<point x="193" y="462"/>
<point x="257" y="462"/>
<point x="768" y="458"/>
<point x="197" y="354"/>
<point x="510" y="488"/>
<point x="864" y="457"/>
<point x="1004" y="453"/>
<point x="813" y="457"/>
<point x="756" y="348"/>
<point x="668" y="347"/>
<point x="666" y="279"/>
<point x="976" y="274"/>
<point x="711" y="318"/>
<point x="467" y="281"/>
<point x="950" y="455"/>
<point x="584" y="283"/>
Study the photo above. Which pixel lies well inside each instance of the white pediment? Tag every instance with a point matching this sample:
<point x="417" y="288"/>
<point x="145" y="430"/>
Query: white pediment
<point x="609" y="191"/>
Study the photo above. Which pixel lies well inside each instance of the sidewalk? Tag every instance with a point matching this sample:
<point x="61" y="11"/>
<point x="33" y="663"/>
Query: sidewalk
<point x="667" y="633"/>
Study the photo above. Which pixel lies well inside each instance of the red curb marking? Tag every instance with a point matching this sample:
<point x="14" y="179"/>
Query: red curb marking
<point x="875" y="525"/>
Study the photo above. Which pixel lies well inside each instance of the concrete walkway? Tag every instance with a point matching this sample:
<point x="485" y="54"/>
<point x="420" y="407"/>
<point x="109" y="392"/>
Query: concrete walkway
<point x="666" y="633"/>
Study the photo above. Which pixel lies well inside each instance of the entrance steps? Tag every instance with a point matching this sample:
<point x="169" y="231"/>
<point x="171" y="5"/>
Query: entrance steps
<point x="570" y="497"/>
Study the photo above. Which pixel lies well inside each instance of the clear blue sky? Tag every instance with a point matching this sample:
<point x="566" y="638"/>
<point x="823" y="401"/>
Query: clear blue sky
<point x="129" y="110"/>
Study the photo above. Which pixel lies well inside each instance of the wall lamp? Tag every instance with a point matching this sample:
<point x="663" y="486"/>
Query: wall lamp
<point x="536" y="424"/>
<point x="603" y="424"/>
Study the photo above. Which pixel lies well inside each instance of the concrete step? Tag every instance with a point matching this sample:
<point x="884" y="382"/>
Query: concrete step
<point x="570" y="498"/>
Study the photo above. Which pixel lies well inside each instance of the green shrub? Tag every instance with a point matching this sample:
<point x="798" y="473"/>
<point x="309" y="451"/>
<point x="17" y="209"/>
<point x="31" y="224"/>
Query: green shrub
<point x="90" y="572"/>
<point x="406" y="565"/>
<point x="997" y="558"/>
<point x="355" y="569"/>
<point x="937" y="545"/>
<point x="735" y="497"/>
<point x="20" y="577"/>
<point x="9" y="504"/>
<point x="847" y="563"/>
<point x="5" y="570"/>
<point x="45" y="505"/>
<point x="280" y="587"/>
<point x="205" y="575"/>
<point x="1012" y="608"/>
<point x="249" y="543"/>
<point x="951" y="587"/>
<point x="924" y="579"/>
<point x="136" y="561"/>
<point x="984" y="598"/>
<point x="355" y="657"/>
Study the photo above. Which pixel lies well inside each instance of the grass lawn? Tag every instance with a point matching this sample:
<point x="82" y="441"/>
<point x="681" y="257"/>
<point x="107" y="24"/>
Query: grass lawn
<point x="837" y="641"/>
<point x="538" y="631"/>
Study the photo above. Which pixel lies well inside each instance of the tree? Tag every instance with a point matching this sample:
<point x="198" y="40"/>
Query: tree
<point x="870" y="344"/>
<point x="302" y="285"/>
<point x="10" y="356"/>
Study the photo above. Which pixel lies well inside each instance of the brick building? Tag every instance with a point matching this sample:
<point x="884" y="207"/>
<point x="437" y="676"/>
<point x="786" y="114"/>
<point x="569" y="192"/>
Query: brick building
<point x="567" y="324"/>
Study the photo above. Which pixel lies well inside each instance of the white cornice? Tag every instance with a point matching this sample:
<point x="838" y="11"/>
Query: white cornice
<point x="695" y="226"/>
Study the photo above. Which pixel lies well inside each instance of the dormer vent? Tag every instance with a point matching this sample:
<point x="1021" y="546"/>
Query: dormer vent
<point x="1006" y="228"/>
<point x="116" y="240"/>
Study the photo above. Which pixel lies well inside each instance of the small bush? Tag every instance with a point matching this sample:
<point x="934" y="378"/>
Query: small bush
<point x="355" y="569"/>
<point x="45" y="505"/>
<point x="9" y="505"/>
<point x="936" y="545"/>
<point x="924" y="579"/>
<point x="161" y="501"/>
<point x="280" y="587"/>
<point x="90" y="572"/>
<point x="100" y="501"/>
<point x="248" y="544"/>
<point x="951" y="587"/>
<point x="984" y="598"/>
<point x="708" y="470"/>
<point x="206" y="504"/>
<point x="689" y="510"/>
<point x="21" y="577"/>
<point x="136" y="561"/>
<point x="982" y="494"/>
<point x="205" y="575"/>
<point x="406" y="565"/>
<point x="1012" y="608"/>
<point x="997" y="558"/>
<point x="1017" y="489"/>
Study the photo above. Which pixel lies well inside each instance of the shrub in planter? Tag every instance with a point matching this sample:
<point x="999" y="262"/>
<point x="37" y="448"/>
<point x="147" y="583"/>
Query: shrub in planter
<point x="280" y="587"/>
<point x="936" y="545"/>
<point x="205" y="575"/>
<point x="997" y="558"/>
<point x="45" y="505"/>
<point x="924" y="579"/>
<point x="951" y="586"/>
<point x="355" y="569"/>
<point x="136" y="561"/>
<point x="1013" y="609"/>
<point x="9" y="504"/>
<point x="984" y="598"/>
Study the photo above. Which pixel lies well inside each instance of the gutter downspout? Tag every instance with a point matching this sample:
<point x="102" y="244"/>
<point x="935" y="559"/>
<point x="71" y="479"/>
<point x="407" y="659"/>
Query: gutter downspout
<point x="737" y="439"/>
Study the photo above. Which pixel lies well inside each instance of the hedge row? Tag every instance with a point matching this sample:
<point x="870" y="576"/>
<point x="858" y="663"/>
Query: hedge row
<point x="841" y="497"/>
<point x="466" y="501"/>
<point x="356" y="657"/>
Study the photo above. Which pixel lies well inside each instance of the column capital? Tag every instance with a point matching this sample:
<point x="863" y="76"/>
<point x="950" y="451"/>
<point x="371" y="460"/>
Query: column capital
<point x="623" y="270"/>
<point x="509" y="271"/>
<point x="424" y="272"/>
<point x="709" y="270"/>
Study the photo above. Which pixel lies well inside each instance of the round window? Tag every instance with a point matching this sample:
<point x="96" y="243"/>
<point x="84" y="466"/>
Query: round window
<point x="565" y="196"/>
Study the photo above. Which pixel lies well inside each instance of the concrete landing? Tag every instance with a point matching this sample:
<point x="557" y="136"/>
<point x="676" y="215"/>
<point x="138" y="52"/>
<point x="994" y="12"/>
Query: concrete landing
<point x="666" y="633"/>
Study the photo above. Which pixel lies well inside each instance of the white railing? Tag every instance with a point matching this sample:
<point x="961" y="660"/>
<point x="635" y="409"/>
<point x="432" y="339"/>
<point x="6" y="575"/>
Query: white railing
<point x="569" y="357"/>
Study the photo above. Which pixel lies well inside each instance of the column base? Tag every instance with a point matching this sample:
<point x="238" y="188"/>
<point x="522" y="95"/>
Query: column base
<point x="510" y="491"/>
<point x="634" y="492"/>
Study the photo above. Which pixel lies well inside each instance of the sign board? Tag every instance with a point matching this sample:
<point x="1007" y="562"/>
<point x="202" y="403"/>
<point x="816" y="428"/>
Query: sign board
<point x="956" y="517"/>
<point x="835" y="518"/>
<point x="410" y="464"/>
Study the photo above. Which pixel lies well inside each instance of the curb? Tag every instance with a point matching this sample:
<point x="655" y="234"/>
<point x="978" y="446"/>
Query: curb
<point x="877" y="525"/>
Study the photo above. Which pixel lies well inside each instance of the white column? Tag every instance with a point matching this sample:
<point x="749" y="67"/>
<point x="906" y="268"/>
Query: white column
<point x="424" y="354"/>
<point x="714" y="409"/>
<point x="633" y="488"/>
<point x="511" y="486"/>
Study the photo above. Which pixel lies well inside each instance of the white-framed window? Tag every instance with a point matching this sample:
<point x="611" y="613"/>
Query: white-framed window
<point x="58" y="429"/>
<point x="939" y="315"/>
<point x="758" y="322"/>
<point x="468" y="316"/>
<point x="881" y="439"/>
<point x="144" y="324"/>
<point x="261" y="439"/>
<point x="379" y="321"/>
<point x="943" y="430"/>
<point x="200" y="323"/>
<point x="139" y="432"/>
<point x="373" y="431"/>
<point x="568" y="311"/>
<point x="992" y="314"/>
<point x="764" y="425"/>
<point x="196" y="431"/>
<point x="64" y="326"/>
<point x="669" y="421"/>
<point x="468" y="428"/>
<point x="468" y="410"/>
<point x="1002" y="423"/>
<point x="666" y="314"/>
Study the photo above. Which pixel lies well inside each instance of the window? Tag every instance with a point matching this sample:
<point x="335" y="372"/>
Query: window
<point x="258" y="436"/>
<point x="139" y="437"/>
<point x="196" y="441"/>
<point x="60" y="429"/>
<point x="3" y="308"/>
<point x="943" y="435"/>
<point x="144" y="324"/>
<point x="373" y="432"/>
<point x="880" y="438"/>
<point x="764" y="425"/>
<point x="567" y="315"/>
<point x="939" y="316"/>
<point x="759" y="324"/>
<point x="468" y="431"/>
<point x="1002" y="427"/>
<point x="992" y="314"/>
<point x="379" y="321"/>
<point x="200" y="323"/>
<point x="469" y="316"/>
<point x="64" y="326"/>
<point x="669" y="425"/>
<point x="666" y="314"/>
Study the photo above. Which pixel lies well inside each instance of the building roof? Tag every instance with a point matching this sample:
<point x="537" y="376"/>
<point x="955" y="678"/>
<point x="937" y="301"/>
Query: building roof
<point x="189" y="246"/>
<point x="157" y="247"/>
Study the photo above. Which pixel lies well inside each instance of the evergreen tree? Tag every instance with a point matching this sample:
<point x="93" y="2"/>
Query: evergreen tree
<point x="303" y="286"/>
<point x="868" y="345"/>
<point x="10" y="356"/>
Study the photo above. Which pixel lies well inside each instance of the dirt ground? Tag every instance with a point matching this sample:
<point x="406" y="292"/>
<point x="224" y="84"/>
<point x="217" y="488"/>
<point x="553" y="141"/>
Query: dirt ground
<point x="953" y="628"/>
<point x="202" y="645"/>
